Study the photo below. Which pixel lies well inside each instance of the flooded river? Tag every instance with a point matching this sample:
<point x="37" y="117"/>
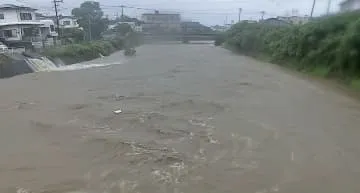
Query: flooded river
<point x="195" y="119"/>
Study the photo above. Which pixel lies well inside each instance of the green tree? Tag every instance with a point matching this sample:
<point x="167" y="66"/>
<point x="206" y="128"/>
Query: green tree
<point x="90" y="17"/>
<point x="123" y="29"/>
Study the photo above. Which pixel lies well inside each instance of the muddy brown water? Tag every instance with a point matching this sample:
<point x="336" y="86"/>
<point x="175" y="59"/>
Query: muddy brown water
<point x="195" y="118"/>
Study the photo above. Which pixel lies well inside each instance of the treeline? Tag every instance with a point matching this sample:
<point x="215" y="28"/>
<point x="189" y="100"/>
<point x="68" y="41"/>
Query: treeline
<point x="330" y="45"/>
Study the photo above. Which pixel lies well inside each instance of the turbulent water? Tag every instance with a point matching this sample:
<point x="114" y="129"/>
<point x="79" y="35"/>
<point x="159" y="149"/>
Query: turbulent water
<point x="43" y="64"/>
<point x="194" y="119"/>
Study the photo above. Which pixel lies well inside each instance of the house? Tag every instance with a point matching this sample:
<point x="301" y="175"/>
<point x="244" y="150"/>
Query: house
<point x="296" y="20"/>
<point x="20" y="27"/>
<point x="18" y="23"/>
<point x="162" y="22"/>
<point x="134" y="25"/>
<point x="48" y="32"/>
<point x="349" y="5"/>
<point x="275" y="22"/>
<point x="67" y="22"/>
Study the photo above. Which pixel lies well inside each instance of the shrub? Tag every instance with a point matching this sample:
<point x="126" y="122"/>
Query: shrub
<point x="331" y="43"/>
<point x="85" y="51"/>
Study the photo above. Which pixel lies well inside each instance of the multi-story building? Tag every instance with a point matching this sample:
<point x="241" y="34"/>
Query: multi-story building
<point x="349" y="5"/>
<point x="161" y="22"/>
<point x="19" y="24"/>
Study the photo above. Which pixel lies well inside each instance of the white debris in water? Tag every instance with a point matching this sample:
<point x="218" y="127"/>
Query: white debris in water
<point x="211" y="139"/>
<point x="118" y="111"/>
<point x="198" y="123"/>
<point x="22" y="190"/>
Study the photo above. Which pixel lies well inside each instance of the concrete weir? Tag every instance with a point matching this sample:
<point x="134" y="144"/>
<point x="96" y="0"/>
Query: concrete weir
<point x="16" y="65"/>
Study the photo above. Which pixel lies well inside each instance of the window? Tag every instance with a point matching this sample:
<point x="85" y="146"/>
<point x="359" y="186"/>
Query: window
<point x="10" y="33"/>
<point x="2" y="16"/>
<point x="52" y="28"/>
<point x="66" y="23"/>
<point x="25" y="16"/>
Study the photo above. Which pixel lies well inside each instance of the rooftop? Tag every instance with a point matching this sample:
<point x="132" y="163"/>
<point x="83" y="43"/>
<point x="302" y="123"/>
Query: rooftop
<point x="161" y="14"/>
<point x="12" y="6"/>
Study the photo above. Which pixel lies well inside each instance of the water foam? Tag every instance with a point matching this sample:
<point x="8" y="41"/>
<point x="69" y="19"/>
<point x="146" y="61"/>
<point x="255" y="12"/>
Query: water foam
<point x="81" y="66"/>
<point x="43" y="64"/>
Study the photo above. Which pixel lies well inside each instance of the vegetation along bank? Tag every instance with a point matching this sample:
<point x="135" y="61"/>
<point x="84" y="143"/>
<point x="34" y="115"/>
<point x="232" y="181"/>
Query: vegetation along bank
<point x="327" y="46"/>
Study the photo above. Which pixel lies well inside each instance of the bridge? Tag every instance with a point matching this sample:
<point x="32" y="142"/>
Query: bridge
<point x="184" y="37"/>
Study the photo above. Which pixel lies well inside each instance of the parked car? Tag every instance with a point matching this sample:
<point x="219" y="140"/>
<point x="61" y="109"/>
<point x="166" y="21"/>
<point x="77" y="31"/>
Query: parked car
<point x="3" y="48"/>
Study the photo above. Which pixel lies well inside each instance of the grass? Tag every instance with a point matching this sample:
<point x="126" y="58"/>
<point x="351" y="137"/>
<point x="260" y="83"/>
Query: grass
<point x="355" y="83"/>
<point x="319" y="71"/>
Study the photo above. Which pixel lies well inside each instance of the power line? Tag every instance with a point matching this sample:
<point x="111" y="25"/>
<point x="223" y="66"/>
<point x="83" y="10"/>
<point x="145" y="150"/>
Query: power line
<point x="200" y="12"/>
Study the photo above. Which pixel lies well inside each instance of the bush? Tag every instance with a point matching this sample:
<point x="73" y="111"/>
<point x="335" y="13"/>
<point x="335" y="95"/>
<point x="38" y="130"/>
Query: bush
<point x="85" y="51"/>
<point x="219" y="40"/>
<point x="331" y="43"/>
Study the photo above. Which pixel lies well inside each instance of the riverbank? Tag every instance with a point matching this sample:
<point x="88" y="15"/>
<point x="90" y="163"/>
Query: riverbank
<point x="325" y="47"/>
<point x="53" y="58"/>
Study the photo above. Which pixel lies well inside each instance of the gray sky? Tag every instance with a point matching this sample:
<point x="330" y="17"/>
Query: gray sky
<point x="209" y="12"/>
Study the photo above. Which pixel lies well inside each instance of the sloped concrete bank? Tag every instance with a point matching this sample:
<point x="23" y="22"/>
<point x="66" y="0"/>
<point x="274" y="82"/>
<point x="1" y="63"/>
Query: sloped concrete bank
<point x="11" y="66"/>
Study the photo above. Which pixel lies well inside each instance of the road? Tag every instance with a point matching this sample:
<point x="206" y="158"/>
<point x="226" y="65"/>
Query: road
<point x="195" y="118"/>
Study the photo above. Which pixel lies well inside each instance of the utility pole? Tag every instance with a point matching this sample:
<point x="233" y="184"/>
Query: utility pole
<point x="240" y="10"/>
<point x="56" y="6"/>
<point x="122" y="12"/>
<point x="90" y="34"/>
<point x="328" y="7"/>
<point x="262" y="15"/>
<point x="312" y="9"/>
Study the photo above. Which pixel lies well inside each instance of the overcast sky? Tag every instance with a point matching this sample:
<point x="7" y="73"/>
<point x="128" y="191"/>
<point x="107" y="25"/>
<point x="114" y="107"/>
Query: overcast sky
<point x="209" y="12"/>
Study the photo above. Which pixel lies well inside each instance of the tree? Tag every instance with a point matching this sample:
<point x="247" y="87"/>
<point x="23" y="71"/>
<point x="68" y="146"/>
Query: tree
<point x="123" y="29"/>
<point x="90" y="17"/>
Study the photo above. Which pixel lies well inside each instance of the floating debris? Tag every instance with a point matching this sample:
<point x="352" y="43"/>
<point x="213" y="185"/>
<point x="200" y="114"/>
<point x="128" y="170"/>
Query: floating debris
<point x="118" y="111"/>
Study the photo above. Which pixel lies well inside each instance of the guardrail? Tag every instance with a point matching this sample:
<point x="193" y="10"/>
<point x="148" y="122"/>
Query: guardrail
<point x="11" y="51"/>
<point x="6" y="51"/>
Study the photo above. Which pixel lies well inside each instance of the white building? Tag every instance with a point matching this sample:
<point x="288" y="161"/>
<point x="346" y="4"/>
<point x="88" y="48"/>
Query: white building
<point x="134" y="26"/>
<point x="220" y="28"/>
<point x="18" y="23"/>
<point x="20" y="27"/>
<point x="67" y="22"/>
<point x="162" y="22"/>
<point x="295" y="20"/>
<point x="48" y="32"/>
<point x="349" y="5"/>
